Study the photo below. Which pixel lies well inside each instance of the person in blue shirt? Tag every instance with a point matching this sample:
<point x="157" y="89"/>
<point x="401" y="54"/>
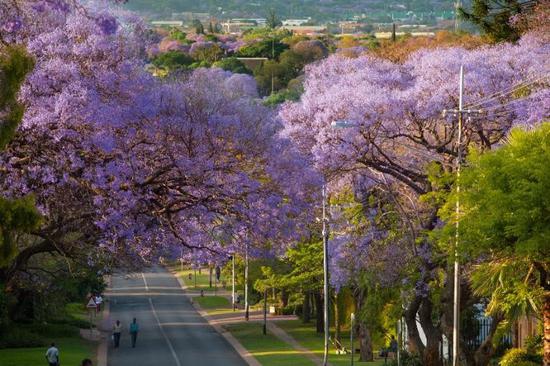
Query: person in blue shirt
<point x="134" y="329"/>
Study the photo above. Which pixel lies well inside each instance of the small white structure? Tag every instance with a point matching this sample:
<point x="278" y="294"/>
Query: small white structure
<point x="295" y="22"/>
<point x="167" y="23"/>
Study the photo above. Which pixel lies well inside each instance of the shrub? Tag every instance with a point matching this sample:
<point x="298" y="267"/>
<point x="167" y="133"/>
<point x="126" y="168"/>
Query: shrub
<point x="516" y="356"/>
<point x="17" y="337"/>
<point x="407" y="359"/>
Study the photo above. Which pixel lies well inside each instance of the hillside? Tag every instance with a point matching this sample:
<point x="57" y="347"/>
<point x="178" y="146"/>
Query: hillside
<point x="322" y="10"/>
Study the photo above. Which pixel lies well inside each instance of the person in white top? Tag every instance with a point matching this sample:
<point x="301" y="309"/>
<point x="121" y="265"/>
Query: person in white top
<point x="98" y="300"/>
<point x="52" y="356"/>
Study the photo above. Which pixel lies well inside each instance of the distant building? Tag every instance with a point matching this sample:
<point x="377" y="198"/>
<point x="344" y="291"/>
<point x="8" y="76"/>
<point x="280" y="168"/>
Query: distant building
<point x="167" y="23"/>
<point x="387" y="35"/>
<point x="188" y="16"/>
<point x="295" y="22"/>
<point x="235" y="26"/>
<point x="307" y="30"/>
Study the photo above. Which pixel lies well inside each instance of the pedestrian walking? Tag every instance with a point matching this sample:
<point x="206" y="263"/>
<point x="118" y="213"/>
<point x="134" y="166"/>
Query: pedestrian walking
<point x="134" y="329"/>
<point x="86" y="362"/>
<point x="98" y="300"/>
<point x="117" y="329"/>
<point x="52" y="355"/>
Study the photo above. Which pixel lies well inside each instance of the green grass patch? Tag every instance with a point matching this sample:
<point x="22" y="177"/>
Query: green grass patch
<point x="213" y="302"/>
<point x="71" y="351"/>
<point x="200" y="281"/>
<point x="268" y="350"/>
<point x="306" y="335"/>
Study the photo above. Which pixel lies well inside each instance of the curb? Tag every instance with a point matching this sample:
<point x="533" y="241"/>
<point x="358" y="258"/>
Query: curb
<point x="243" y="352"/>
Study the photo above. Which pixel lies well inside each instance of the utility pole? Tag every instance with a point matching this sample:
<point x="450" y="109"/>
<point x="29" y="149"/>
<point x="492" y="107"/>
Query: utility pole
<point x="351" y="330"/>
<point x="265" y="312"/>
<point x="246" y="313"/>
<point x="325" y="274"/>
<point x="460" y="112"/>
<point x="233" y="281"/>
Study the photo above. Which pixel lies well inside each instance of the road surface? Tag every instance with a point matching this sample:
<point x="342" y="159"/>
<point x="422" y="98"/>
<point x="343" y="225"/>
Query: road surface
<point x="172" y="333"/>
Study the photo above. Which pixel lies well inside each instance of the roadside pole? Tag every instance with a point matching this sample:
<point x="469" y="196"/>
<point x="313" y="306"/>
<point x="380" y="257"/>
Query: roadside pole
<point x="265" y="312"/>
<point x="351" y="337"/>
<point x="246" y="313"/>
<point x="233" y="281"/>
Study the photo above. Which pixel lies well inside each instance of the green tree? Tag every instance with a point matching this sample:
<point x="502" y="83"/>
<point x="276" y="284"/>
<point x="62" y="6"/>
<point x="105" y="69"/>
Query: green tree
<point x="505" y="225"/>
<point x="493" y="17"/>
<point x="199" y="28"/>
<point x="172" y="60"/>
<point x="20" y="215"/>
<point x="232" y="64"/>
<point x="272" y="20"/>
<point x="269" y="48"/>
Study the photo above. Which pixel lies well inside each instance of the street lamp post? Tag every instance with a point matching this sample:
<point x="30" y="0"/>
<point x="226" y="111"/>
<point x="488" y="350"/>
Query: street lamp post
<point x="351" y="336"/>
<point x="246" y="313"/>
<point x="325" y="274"/>
<point x="233" y="281"/>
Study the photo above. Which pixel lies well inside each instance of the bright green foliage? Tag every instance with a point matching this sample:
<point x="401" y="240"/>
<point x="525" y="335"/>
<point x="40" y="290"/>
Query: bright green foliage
<point x="232" y="64"/>
<point x="493" y="17"/>
<point x="505" y="220"/>
<point x="16" y="216"/>
<point x="270" y="48"/>
<point x="519" y="357"/>
<point x="15" y="64"/>
<point x="177" y="35"/>
<point x="172" y="60"/>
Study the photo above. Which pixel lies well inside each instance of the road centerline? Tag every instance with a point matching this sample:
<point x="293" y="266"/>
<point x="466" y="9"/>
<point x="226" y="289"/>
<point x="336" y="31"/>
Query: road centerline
<point x="172" y="350"/>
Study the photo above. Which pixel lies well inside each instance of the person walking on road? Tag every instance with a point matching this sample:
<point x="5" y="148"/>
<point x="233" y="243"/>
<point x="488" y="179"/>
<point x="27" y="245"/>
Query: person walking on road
<point x="134" y="329"/>
<point x="117" y="329"/>
<point x="52" y="355"/>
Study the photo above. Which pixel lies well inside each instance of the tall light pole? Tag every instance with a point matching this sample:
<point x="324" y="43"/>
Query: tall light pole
<point x="325" y="274"/>
<point x="351" y="336"/>
<point x="246" y="313"/>
<point x="460" y="112"/>
<point x="233" y="281"/>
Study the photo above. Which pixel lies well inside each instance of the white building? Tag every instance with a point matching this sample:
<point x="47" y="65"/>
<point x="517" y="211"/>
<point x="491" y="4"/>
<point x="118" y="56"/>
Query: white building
<point x="295" y="22"/>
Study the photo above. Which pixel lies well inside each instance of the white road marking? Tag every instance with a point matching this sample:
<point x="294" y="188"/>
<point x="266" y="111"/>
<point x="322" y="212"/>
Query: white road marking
<point x="145" y="282"/>
<point x="164" y="334"/>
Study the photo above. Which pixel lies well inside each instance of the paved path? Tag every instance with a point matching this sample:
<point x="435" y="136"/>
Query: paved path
<point x="172" y="332"/>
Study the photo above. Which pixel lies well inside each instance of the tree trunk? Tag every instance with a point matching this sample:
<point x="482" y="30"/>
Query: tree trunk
<point x="545" y="283"/>
<point x="337" y="325"/>
<point x="365" y="343"/>
<point x="210" y="278"/>
<point x="319" y="312"/>
<point x="546" y="324"/>
<point x="486" y="350"/>
<point x="430" y="356"/>
<point x="305" y="309"/>
<point x="284" y="298"/>
<point x="414" y="343"/>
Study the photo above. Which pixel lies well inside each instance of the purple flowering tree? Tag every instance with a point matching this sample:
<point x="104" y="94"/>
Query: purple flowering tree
<point x="401" y="139"/>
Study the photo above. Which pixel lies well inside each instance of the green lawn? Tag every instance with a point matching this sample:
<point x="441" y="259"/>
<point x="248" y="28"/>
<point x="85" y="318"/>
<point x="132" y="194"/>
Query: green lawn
<point x="202" y="280"/>
<point x="268" y="350"/>
<point x="213" y="302"/>
<point x="306" y="335"/>
<point x="71" y="351"/>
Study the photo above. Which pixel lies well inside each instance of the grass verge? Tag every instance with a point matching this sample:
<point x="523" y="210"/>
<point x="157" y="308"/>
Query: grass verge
<point x="306" y="335"/>
<point x="71" y="351"/>
<point x="268" y="350"/>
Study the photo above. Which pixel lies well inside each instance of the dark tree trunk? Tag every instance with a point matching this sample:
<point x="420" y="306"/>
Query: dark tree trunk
<point x="430" y="356"/>
<point x="305" y="309"/>
<point x="337" y="325"/>
<point x="319" y="326"/>
<point x="415" y="344"/>
<point x="210" y="277"/>
<point x="365" y="343"/>
<point x="284" y="298"/>
<point x="485" y="352"/>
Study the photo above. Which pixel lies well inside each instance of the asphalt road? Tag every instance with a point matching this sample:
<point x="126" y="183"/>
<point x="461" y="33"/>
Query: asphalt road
<point x="172" y="333"/>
